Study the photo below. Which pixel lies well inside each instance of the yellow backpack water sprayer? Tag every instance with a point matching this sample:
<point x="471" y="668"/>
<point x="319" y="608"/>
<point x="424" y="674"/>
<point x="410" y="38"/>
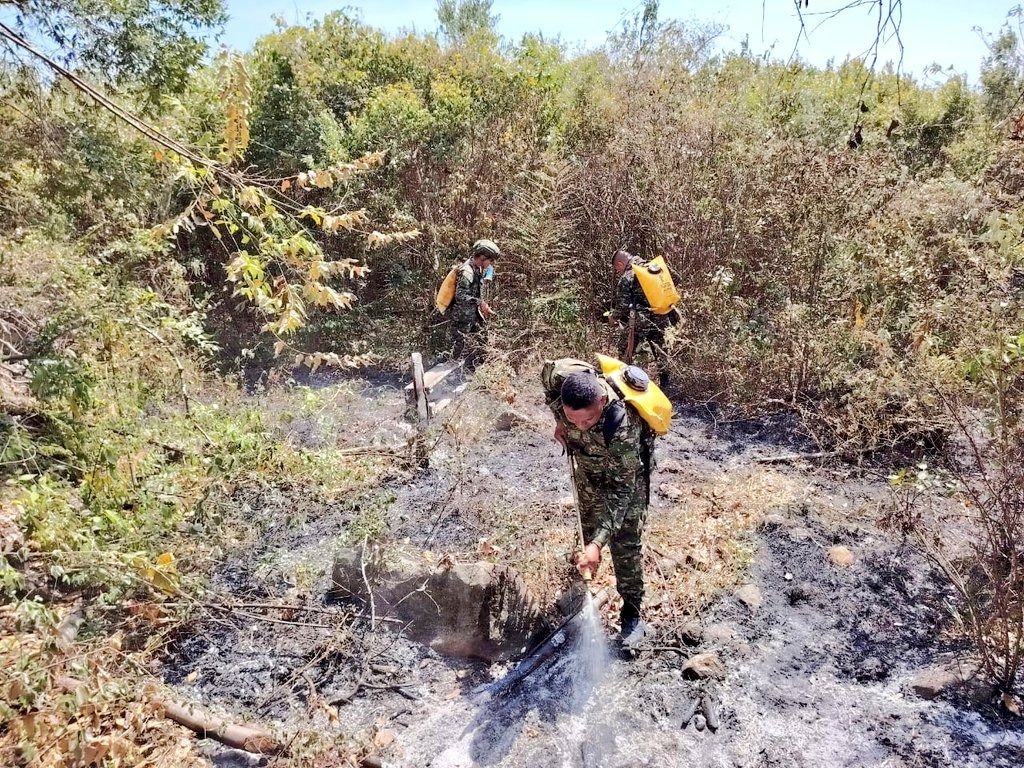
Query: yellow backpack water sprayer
<point x="446" y="292"/>
<point x="634" y="386"/>
<point x="657" y="285"/>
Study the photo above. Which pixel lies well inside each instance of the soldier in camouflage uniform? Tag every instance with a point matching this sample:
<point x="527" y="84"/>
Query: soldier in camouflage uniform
<point x="469" y="308"/>
<point x="632" y="312"/>
<point x="611" y="447"/>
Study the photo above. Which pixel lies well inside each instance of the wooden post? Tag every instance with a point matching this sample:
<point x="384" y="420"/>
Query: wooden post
<point x="418" y="387"/>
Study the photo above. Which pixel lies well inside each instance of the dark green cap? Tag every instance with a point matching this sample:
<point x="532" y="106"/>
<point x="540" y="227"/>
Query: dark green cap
<point x="485" y="248"/>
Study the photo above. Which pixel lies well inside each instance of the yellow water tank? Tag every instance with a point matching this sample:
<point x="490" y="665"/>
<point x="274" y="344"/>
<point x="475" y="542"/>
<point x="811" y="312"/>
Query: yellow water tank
<point x="657" y="285"/>
<point x="446" y="292"/>
<point x="638" y="390"/>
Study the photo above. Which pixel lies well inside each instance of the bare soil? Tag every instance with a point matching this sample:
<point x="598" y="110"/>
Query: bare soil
<point x="818" y="675"/>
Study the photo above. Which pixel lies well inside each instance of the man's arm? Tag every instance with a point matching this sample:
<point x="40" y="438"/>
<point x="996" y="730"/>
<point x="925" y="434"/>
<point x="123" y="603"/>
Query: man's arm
<point x="623" y="301"/>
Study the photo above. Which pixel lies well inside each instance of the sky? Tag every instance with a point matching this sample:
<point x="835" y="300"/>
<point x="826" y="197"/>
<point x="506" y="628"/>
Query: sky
<point x="942" y="32"/>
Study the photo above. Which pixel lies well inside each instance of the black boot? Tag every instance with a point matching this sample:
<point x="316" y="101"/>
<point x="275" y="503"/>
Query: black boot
<point x="633" y="629"/>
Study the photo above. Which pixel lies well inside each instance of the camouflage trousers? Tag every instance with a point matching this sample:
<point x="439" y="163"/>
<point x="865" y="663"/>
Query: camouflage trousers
<point x="625" y="546"/>
<point x="469" y="339"/>
<point x="648" y="350"/>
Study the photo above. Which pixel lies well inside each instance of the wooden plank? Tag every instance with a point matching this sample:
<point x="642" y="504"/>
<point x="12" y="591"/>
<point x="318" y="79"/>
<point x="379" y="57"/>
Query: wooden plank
<point x="418" y="388"/>
<point x="434" y="376"/>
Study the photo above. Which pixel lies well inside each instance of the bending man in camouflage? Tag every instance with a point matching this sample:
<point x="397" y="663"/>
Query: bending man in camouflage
<point x="610" y="446"/>
<point x="642" y="335"/>
<point x="470" y="309"/>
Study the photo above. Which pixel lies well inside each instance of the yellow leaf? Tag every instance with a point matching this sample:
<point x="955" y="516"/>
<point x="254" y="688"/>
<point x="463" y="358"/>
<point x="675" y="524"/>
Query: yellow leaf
<point x="858" y="315"/>
<point x="286" y="184"/>
<point x="159" y="155"/>
<point x="165" y="558"/>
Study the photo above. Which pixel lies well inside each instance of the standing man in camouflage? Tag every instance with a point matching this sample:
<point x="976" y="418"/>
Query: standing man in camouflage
<point x="642" y="334"/>
<point x="470" y="309"/>
<point x="610" y="448"/>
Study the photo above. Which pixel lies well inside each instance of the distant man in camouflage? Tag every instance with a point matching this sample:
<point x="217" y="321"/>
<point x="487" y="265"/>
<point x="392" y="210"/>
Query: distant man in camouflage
<point x="469" y="308"/>
<point x="610" y="448"/>
<point x="642" y="334"/>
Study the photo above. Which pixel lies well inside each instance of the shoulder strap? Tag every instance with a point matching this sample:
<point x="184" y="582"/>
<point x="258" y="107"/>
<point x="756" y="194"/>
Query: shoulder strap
<point x="614" y="415"/>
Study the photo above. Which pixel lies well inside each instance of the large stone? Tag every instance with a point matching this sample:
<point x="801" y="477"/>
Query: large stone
<point x="509" y="419"/>
<point x="841" y="556"/>
<point x="671" y="491"/>
<point x="932" y="682"/>
<point x="476" y="610"/>
<point x="704" y="666"/>
<point x="671" y="465"/>
<point x="750" y="596"/>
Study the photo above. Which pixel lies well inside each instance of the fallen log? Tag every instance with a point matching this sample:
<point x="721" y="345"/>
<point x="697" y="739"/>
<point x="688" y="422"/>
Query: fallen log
<point x="544" y="650"/>
<point x="203" y="724"/>
<point x="207" y="726"/>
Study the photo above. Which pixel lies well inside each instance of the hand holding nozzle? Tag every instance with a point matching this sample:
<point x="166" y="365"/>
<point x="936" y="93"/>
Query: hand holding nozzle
<point x="588" y="560"/>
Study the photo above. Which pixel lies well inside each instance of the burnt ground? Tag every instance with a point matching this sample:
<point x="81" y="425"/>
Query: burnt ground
<point x="818" y="674"/>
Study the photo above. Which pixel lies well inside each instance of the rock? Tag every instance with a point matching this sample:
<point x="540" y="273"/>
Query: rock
<point x="704" y="666"/>
<point x="691" y="632"/>
<point x="670" y="491"/>
<point x="668" y="567"/>
<point x="509" y="419"/>
<point x="15" y="397"/>
<point x="841" y="556"/>
<point x="475" y="610"/>
<point x="689" y="709"/>
<point x="698" y="560"/>
<point x="572" y="598"/>
<point x="699" y="723"/>
<point x="750" y="596"/>
<point x="11" y="537"/>
<point x="670" y="465"/>
<point x="720" y="634"/>
<point x="932" y="682"/>
<point x="800" y="533"/>
<point x="709" y="708"/>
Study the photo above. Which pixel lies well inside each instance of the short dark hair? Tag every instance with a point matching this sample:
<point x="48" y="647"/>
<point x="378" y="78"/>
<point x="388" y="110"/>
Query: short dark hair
<point x="581" y="389"/>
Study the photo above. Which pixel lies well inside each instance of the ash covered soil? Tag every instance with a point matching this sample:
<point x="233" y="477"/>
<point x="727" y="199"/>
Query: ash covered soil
<point x="830" y="657"/>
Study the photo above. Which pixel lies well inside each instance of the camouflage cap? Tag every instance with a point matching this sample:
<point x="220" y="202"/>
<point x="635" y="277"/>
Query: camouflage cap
<point x="485" y="248"/>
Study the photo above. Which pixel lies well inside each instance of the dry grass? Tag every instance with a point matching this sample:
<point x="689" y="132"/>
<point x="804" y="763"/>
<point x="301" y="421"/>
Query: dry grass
<point x="705" y="534"/>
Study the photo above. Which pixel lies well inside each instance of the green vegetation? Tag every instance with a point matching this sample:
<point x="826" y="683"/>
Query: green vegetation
<point x="848" y="245"/>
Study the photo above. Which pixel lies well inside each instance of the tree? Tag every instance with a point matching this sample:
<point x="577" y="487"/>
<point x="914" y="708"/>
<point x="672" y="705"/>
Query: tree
<point x="147" y="44"/>
<point x="461" y="19"/>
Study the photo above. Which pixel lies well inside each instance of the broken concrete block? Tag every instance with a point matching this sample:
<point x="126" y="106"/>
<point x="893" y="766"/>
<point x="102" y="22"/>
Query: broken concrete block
<point x="476" y="610"/>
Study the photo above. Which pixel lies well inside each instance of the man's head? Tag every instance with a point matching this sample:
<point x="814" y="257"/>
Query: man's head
<point x="621" y="261"/>
<point x="483" y="253"/>
<point x="583" y="399"/>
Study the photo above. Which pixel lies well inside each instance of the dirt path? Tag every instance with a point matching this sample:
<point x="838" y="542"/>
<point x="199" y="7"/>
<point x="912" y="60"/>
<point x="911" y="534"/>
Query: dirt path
<point x="818" y="674"/>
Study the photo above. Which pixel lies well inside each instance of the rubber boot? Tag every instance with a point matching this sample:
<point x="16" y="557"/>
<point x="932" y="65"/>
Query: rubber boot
<point x="633" y="629"/>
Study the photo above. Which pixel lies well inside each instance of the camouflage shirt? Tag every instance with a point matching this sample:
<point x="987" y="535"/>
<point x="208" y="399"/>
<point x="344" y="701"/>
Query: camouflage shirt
<point x="608" y="458"/>
<point x="466" y="303"/>
<point x="629" y="295"/>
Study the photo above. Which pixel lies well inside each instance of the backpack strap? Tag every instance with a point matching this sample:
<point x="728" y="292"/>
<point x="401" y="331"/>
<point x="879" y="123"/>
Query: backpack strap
<point x="614" y="415"/>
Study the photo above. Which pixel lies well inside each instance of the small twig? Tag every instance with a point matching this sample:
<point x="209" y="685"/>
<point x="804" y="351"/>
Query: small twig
<point x="369" y="591"/>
